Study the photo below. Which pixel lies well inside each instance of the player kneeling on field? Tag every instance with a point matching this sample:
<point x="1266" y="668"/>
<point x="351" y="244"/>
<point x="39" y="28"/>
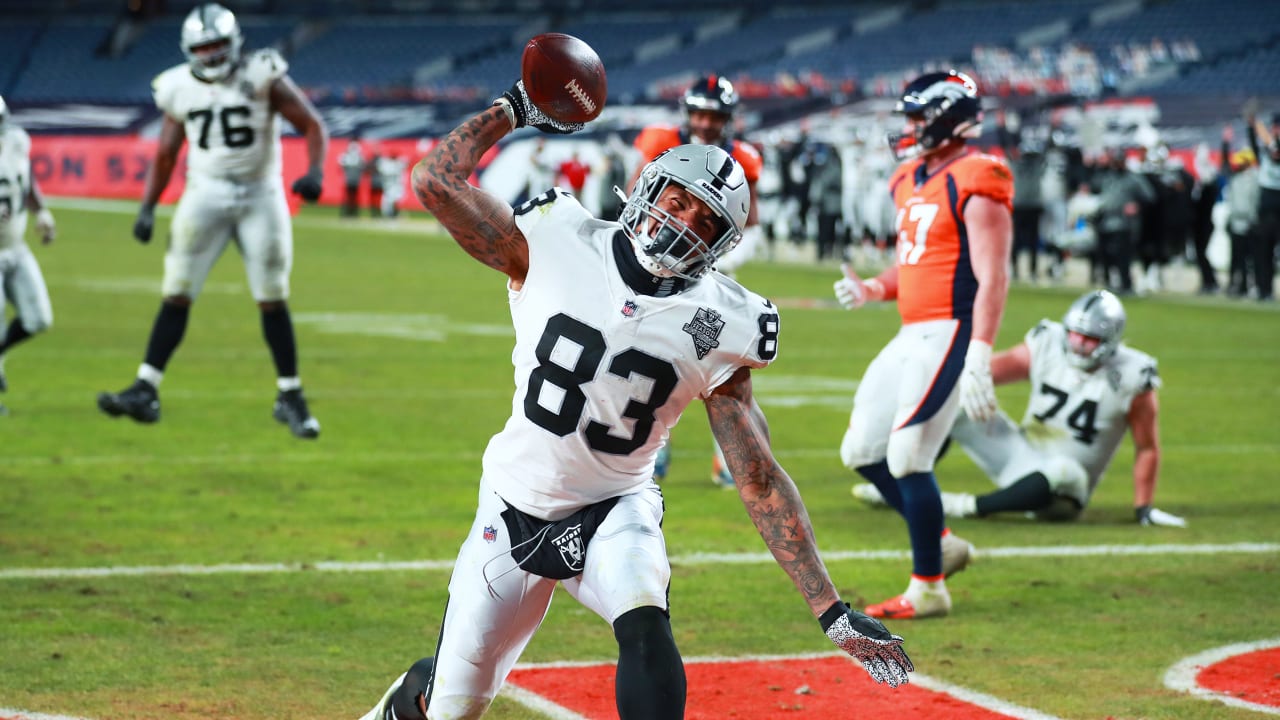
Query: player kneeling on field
<point x="1088" y="389"/>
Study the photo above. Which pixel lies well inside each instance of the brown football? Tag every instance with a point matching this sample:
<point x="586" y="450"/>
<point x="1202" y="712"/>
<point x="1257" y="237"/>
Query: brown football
<point x="564" y="77"/>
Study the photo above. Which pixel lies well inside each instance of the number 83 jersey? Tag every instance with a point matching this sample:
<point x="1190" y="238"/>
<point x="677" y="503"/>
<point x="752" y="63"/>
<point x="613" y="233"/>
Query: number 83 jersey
<point x="232" y="131"/>
<point x="602" y="373"/>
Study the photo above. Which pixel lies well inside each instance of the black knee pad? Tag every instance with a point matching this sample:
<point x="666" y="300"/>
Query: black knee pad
<point x="410" y="700"/>
<point x="650" y="682"/>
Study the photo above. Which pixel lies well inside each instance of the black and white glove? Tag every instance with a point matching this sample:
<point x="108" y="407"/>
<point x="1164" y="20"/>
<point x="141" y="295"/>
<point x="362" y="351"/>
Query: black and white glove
<point x="869" y="642"/>
<point x="45" y="226"/>
<point x="1147" y="516"/>
<point x="308" y="186"/>
<point x="522" y="112"/>
<point x="145" y="222"/>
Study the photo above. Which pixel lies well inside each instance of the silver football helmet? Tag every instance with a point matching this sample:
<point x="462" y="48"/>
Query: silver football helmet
<point x="207" y="25"/>
<point x="4" y="115"/>
<point x="1099" y="315"/>
<point x="666" y="244"/>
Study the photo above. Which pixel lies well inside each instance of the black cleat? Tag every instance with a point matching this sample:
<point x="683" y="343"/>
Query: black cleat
<point x="140" y="401"/>
<point x="291" y="409"/>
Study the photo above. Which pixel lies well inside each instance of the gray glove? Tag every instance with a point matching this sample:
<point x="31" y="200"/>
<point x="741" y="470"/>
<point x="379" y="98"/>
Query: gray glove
<point x="145" y="222"/>
<point x="868" y="641"/>
<point x="522" y="112"/>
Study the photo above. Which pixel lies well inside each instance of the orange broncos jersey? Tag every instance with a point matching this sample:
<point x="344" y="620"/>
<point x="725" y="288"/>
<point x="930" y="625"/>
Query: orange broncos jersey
<point x="653" y="140"/>
<point x="935" y="278"/>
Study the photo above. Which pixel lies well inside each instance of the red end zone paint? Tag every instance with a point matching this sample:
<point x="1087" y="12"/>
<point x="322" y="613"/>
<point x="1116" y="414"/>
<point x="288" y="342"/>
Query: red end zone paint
<point x="756" y="689"/>
<point x="1252" y="677"/>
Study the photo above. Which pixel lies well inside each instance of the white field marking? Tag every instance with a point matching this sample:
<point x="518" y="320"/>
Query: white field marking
<point x="142" y="286"/>
<point x="686" y="560"/>
<point x="1182" y="676"/>
<point x="972" y="697"/>
<point x="429" y="457"/>
<point x="10" y="714"/>
<point x="431" y="328"/>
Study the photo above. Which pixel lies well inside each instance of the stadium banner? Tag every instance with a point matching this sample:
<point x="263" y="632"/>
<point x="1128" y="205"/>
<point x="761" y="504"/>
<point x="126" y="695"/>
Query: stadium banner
<point x="112" y="166"/>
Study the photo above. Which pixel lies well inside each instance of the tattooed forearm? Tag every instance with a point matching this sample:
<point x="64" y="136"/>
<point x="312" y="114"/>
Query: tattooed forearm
<point x="768" y="493"/>
<point x="482" y="224"/>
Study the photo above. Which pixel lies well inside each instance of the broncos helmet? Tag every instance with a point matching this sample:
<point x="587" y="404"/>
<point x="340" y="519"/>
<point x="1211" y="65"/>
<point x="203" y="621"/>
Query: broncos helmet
<point x="948" y="104"/>
<point x="667" y="245"/>
<point x="713" y="93"/>
<point x="211" y="24"/>
<point x="1099" y="315"/>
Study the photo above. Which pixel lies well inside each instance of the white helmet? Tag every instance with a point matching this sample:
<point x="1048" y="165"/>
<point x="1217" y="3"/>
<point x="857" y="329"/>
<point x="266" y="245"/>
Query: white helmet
<point x="4" y="114"/>
<point x="210" y="24"/>
<point x="1099" y="315"/>
<point x="709" y="174"/>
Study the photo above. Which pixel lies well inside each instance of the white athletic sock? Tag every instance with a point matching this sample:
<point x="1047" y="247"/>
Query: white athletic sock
<point x="150" y="375"/>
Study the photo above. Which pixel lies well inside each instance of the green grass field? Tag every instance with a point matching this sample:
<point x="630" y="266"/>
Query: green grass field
<point x="405" y="351"/>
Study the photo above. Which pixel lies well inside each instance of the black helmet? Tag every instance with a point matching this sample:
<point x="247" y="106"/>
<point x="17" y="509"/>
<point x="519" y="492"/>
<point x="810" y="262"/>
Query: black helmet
<point x="948" y="102"/>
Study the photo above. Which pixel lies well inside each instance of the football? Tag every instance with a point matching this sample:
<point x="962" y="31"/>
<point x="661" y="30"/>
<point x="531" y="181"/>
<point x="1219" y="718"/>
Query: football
<point x="564" y="77"/>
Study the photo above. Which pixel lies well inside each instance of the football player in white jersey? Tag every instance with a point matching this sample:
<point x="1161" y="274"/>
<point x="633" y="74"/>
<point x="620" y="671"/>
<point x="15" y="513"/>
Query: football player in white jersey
<point x="20" y="280"/>
<point x="226" y="106"/>
<point x="1087" y="390"/>
<point x="619" y="326"/>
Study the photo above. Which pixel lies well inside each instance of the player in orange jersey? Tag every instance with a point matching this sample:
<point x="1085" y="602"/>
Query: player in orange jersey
<point x="708" y="107"/>
<point x="950" y="279"/>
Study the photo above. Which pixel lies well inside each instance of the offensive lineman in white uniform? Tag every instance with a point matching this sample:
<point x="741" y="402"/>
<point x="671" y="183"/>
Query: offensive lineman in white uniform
<point x="1088" y="389"/>
<point x="227" y="108"/>
<point x="619" y="326"/>
<point x="20" y="280"/>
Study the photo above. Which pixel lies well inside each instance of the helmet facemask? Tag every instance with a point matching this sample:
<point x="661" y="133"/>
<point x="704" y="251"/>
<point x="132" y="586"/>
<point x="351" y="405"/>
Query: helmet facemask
<point x="1097" y="316"/>
<point x="211" y="40"/>
<point x="665" y="245"/>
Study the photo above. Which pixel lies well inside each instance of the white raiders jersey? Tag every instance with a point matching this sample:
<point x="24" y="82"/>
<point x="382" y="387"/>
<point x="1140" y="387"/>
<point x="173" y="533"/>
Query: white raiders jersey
<point x="1082" y="415"/>
<point x="232" y="132"/>
<point x="603" y="373"/>
<point x="15" y="182"/>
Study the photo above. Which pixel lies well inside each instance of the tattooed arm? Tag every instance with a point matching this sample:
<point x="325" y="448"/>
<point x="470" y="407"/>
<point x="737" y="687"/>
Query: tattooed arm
<point x="771" y="498"/>
<point x="481" y="223"/>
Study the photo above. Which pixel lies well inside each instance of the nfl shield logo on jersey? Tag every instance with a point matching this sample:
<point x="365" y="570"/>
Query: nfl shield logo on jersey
<point x="629" y="308"/>
<point x="570" y="545"/>
<point x="705" y="329"/>
<point x="490" y="533"/>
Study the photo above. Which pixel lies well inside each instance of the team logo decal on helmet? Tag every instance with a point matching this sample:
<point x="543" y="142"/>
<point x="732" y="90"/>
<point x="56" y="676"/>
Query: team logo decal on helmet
<point x="211" y="40"/>
<point x="948" y="107"/>
<point x="665" y="244"/>
<point x="713" y="93"/>
<point x="1097" y="315"/>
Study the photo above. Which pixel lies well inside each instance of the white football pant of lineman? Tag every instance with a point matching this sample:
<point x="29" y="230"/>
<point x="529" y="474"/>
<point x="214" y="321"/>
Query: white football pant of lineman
<point x="495" y="607"/>
<point x="999" y="447"/>
<point x="23" y="285"/>
<point x="898" y="383"/>
<point x="211" y="214"/>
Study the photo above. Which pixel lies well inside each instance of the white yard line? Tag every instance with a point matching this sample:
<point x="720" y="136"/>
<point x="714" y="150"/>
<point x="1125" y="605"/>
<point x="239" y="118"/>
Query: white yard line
<point x="686" y="560"/>
<point x="1182" y="676"/>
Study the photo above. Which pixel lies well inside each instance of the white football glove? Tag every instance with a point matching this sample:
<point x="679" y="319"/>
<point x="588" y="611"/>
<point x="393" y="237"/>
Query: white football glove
<point x="977" y="392"/>
<point x="851" y="291"/>
<point x="870" y="642"/>
<point x="45" y="226"/>
<point x="1147" y="515"/>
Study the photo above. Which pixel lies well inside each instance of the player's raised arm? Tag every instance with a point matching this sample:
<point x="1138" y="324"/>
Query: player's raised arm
<point x="773" y="502"/>
<point x="481" y="223"/>
<point x="172" y="135"/>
